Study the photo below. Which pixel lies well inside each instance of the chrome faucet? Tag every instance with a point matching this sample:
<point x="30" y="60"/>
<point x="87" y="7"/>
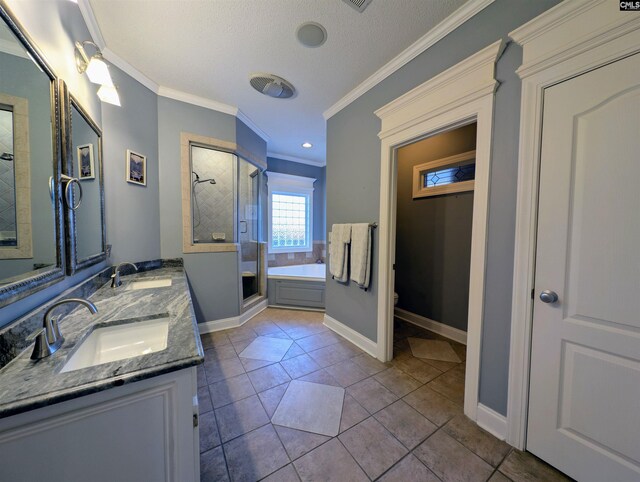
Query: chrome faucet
<point x="115" y="277"/>
<point x="48" y="338"/>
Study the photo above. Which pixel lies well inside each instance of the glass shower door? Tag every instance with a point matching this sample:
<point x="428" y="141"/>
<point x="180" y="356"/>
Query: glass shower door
<point x="249" y="178"/>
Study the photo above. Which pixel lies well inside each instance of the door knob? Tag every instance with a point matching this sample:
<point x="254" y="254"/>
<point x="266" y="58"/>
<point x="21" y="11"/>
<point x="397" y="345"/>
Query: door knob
<point x="548" y="296"/>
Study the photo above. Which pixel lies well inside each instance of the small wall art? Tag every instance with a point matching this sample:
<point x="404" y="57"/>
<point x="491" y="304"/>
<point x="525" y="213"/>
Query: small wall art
<point x="86" y="168"/>
<point x="136" y="168"/>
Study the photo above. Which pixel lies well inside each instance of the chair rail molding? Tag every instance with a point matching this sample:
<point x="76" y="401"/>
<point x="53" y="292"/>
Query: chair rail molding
<point x="456" y="97"/>
<point x="567" y="40"/>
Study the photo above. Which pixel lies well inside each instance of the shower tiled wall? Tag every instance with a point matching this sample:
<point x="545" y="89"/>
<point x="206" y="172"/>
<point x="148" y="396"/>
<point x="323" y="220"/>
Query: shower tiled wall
<point x="215" y="202"/>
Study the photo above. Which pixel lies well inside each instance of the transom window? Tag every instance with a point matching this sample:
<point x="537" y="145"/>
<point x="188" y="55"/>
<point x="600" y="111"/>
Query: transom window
<point x="290" y="213"/>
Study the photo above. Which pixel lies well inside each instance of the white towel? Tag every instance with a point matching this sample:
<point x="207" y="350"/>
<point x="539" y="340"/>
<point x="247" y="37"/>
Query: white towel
<point x="338" y="255"/>
<point x="361" y="254"/>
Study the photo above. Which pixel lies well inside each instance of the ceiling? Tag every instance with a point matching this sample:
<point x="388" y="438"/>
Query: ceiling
<point x="208" y="48"/>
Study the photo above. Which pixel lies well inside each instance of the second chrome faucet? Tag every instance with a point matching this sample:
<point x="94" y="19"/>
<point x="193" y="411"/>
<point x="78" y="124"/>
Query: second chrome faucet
<point x="115" y="277"/>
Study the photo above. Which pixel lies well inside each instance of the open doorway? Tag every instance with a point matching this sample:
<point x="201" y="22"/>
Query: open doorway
<point x="434" y="219"/>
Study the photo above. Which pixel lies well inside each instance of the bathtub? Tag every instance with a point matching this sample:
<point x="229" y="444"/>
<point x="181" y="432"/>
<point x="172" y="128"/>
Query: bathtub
<point x="298" y="286"/>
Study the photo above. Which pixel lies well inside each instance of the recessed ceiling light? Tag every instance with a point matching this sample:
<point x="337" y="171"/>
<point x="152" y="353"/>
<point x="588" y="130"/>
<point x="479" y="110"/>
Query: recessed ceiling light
<point x="307" y="145"/>
<point x="311" y="34"/>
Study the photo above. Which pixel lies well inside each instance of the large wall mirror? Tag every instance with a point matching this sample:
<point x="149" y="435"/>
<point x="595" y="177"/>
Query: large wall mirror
<point x="30" y="204"/>
<point x="83" y="186"/>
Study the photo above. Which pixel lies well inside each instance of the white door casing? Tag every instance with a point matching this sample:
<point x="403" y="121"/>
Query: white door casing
<point x="585" y="357"/>
<point x="575" y="37"/>
<point x="460" y="95"/>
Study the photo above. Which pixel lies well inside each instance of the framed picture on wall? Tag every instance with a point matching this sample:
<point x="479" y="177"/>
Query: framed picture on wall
<point x="85" y="162"/>
<point x="136" y="168"/>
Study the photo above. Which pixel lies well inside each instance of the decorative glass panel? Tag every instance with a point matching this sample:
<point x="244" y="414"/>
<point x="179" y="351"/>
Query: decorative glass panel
<point x="450" y="175"/>
<point x="289" y="214"/>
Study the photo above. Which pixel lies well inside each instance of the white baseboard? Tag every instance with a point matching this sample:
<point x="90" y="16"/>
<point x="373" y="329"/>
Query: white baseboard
<point x="351" y="335"/>
<point x="435" y="326"/>
<point x="492" y="421"/>
<point x="234" y="321"/>
<point x="297" y="308"/>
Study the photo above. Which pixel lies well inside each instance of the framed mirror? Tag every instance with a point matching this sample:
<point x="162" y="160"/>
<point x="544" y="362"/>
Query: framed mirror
<point x="30" y="167"/>
<point x="82" y="186"/>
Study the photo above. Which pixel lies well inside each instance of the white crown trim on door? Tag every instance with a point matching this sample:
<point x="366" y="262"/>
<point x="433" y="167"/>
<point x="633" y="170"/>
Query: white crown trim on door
<point x="351" y="335"/>
<point x="448" y="25"/>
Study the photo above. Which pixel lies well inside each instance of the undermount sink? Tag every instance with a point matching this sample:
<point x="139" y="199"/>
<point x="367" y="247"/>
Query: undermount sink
<point x="120" y="341"/>
<point x="149" y="283"/>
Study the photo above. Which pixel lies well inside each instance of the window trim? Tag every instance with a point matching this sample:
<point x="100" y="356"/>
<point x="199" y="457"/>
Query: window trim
<point x="280" y="183"/>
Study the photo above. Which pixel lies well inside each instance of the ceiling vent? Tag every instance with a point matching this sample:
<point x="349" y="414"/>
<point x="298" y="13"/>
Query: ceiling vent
<point x="272" y="85"/>
<point x="359" y="5"/>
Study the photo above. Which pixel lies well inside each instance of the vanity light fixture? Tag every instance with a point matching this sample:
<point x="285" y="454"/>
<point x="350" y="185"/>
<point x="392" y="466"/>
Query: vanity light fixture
<point x="307" y="145"/>
<point x="109" y="94"/>
<point x="95" y="67"/>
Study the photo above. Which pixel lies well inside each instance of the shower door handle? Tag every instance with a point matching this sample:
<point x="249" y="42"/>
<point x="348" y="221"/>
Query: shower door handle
<point x="245" y="227"/>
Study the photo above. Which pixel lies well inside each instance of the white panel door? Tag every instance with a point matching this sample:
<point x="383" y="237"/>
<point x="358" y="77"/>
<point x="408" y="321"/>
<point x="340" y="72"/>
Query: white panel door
<point x="584" y="405"/>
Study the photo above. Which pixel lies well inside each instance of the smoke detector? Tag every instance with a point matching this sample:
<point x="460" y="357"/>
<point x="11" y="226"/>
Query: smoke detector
<point x="359" y="5"/>
<point x="272" y="85"/>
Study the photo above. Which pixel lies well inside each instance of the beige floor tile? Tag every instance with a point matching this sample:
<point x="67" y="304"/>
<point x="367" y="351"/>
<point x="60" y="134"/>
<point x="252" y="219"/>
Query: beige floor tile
<point x="330" y="462"/>
<point x="479" y="441"/>
<point x="300" y="366"/>
<point x="372" y="395"/>
<point x="250" y="364"/>
<point x="271" y="398"/>
<point x="373" y="447"/>
<point x="219" y="370"/>
<point x="268" y="377"/>
<point x="405" y="423"/>
<point x="523" y="466"/>
<point x="230" y="390"/>
<point x="208" y="431"/>
<point x="240" y="417"/>
<point x="310" y="407"/>
<point x="397" y="381"/>
<point x="204" y="400"/>
<point x="433" y="350"/>
<point x="347" y="372"/>
<point x="319" y="340"/>
<point x="352" y="413"/>
<point x="217" y="338"/>
<point x="294" y="351"/>
<point x="255" y="455"/>
<point x="219" y="353"/>
<point x="409" y="469"/>
<point x="451" y="385"/>
<point x="213" y="467"/>
<point x="266" y="348"/>
<point x="451" y="461"/>
<point x="416" y="368"/>
<point x="321" y="376"/>
<point x="285" y="474"/>
<point x="432" y="405"/>
<point x="369" y="365"/>
<point x="297" y="443"/>
<point x="332" y="354"/>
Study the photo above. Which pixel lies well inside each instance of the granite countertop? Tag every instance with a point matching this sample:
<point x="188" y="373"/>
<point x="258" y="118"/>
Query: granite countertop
<point x="27" y="384"/>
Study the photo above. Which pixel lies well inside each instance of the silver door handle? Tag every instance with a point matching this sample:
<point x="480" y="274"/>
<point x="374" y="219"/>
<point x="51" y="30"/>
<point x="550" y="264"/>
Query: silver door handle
<point x="548" y="296"/>
<point x="245" y="227"/>
<point x="67" y="191"/>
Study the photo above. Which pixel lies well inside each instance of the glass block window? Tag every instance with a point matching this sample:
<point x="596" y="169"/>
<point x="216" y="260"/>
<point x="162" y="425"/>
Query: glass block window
<point x="290" y="213"/>
<point x="289" y="219"/>
<point x="450" y="175"/>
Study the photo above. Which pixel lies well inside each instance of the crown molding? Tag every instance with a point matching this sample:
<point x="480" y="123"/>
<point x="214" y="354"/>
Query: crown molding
<point x="130" y="70"/>
<point x="92" y="24"/>
<point x="300" y="160"/>
<point x="253" y="126"/>
<point x="448" y="25"/>
<point x="197" y="100"/>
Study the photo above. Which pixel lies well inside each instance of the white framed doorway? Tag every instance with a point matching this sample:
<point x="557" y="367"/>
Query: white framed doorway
<point x="566" y="41"/>
<point x="460" y="95"/>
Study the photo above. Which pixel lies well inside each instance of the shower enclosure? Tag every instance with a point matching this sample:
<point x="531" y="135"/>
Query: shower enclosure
<point x="225" y="207"/>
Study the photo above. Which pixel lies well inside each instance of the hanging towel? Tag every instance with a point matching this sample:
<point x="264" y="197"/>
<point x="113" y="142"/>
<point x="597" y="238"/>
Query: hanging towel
<point x="338" y="254"/>
<point x="361" y="254"/>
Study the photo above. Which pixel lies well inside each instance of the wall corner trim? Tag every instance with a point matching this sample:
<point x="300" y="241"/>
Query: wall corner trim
<point x="233" y="322"/>
<point x="447" y="331"/>
<point x="128" y="69"/>
<point x="92" y="23"/>
<point x="445" y="27"/>
<point x="492" y="421"/>
<point x="351" y="335"/>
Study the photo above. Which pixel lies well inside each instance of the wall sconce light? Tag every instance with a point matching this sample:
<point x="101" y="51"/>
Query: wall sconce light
<point x="97" y="71"/>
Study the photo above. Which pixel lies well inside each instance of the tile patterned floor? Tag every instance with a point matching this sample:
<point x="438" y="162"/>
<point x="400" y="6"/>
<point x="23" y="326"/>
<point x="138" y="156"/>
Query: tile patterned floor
<point x="400" y="421"/>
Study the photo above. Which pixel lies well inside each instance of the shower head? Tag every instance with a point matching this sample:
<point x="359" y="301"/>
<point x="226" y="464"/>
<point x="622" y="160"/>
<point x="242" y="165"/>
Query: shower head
<point x="198" y="181"/>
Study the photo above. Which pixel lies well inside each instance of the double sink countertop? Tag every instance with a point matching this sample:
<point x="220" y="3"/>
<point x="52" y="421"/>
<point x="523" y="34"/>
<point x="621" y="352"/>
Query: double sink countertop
<point x="27" y="384"/>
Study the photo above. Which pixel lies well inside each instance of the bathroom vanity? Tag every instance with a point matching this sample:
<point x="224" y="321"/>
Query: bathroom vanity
<point x="80" y="414"/>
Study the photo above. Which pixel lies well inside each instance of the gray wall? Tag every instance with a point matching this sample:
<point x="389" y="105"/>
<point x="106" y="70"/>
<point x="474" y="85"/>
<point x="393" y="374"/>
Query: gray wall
<point x="433" y="236"/>
<point x="319" y="189"/>
<point x="213" y="276"/>
<point x="132" y="211"/>
<point x="353" y="179"/>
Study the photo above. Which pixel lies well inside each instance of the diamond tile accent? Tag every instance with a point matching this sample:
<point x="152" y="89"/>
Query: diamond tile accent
<point x="266" y="348"/>
<point x="433" y="350"/>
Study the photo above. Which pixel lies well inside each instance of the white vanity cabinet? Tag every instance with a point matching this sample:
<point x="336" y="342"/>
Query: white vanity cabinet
<point x="140" y="431"/>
